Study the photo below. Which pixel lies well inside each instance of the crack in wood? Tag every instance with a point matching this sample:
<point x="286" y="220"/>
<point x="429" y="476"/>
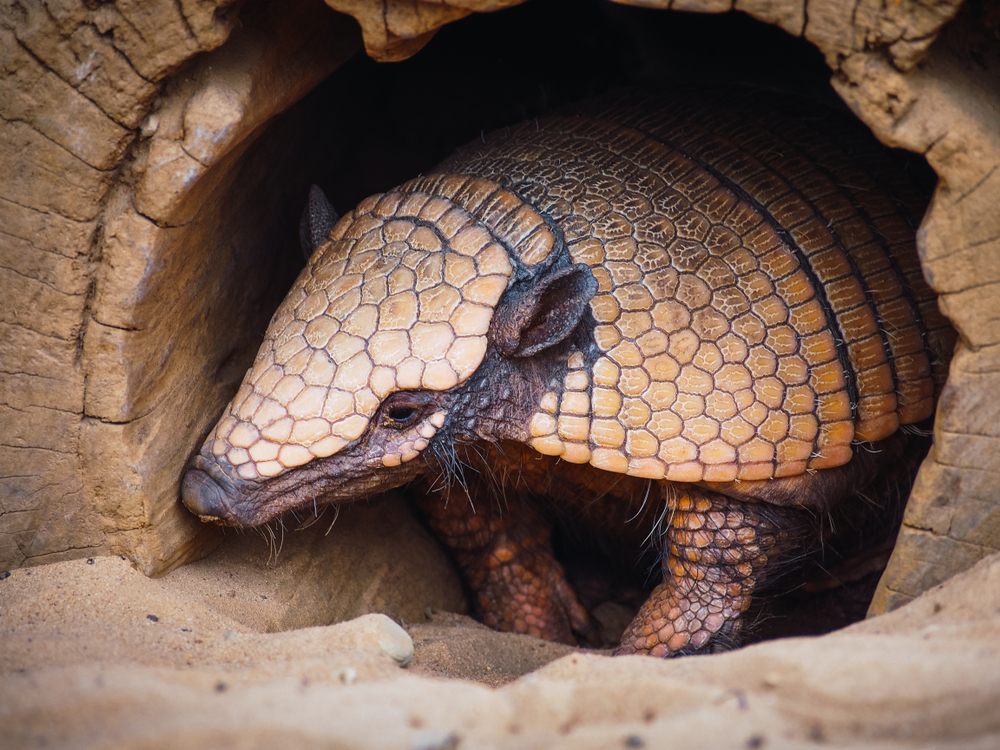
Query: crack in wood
<point x="15" y="324"/>
<point x="186" y="22"/>
<point x="47" y="284"/>
<point x="975" y="187"/>
<point x="50" y="210"/>
<point x="38" y="448"/>
<point x="76" y="156"/>
<point x="75" y="86"/>
<point x="25" y="410"/>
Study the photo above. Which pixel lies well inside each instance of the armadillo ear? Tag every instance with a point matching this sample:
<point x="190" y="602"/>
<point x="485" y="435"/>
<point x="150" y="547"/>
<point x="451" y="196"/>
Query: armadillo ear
<point x="543" y="311"/>
<point x="318" y="218"/>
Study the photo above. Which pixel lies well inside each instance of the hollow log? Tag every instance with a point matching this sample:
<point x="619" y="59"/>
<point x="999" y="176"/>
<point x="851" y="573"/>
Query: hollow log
<point x="149" y="173"/>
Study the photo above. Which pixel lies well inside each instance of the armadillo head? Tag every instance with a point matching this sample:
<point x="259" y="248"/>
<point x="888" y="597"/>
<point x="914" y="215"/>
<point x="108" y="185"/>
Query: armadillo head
<point x="386" y="346"/>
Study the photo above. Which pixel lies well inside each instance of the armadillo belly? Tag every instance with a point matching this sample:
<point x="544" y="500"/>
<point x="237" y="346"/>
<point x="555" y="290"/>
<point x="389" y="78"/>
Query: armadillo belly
<point x="760" y="302"/>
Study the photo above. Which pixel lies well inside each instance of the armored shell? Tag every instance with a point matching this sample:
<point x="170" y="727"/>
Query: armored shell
<point x="759" y="303"/>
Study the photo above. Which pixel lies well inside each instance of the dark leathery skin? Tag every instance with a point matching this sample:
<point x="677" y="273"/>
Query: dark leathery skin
<point x="660" y="319"/>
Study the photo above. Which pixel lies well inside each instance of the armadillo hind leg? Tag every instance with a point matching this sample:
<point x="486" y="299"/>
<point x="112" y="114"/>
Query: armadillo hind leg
<point x="717" y="552"/>
<point x="506" y="558"/>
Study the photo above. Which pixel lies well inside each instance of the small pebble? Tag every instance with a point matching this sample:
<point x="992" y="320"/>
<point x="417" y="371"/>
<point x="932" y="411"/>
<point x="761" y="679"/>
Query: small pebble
<point x="389" y="638"/>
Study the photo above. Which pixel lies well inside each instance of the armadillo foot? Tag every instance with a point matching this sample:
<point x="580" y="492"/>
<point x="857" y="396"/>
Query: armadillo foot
<point x="507" y="559"/>
<point x="718" y="551"/>
<point x="523" y="589"/>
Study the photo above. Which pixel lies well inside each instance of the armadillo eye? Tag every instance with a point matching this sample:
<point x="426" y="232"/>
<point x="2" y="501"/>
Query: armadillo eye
<point x="403" y="409"/>
<point x="401" y="416"/>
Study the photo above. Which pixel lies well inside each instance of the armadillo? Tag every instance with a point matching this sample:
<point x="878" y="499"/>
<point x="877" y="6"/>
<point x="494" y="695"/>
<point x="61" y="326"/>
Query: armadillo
<point x="673" y="318"/>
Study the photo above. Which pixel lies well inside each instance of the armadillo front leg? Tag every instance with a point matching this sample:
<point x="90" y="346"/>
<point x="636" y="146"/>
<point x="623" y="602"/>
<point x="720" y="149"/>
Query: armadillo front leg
<point x="717" y="552"/>
<point x="506" y="558"/>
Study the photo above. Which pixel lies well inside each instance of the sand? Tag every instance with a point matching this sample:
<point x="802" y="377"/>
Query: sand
<point x="219" y="654"/>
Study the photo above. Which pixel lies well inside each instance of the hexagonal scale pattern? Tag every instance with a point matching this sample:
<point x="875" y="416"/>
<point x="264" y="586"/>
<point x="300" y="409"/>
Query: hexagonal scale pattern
<point x="759" y="306"/>
<point x="400" y="297"/>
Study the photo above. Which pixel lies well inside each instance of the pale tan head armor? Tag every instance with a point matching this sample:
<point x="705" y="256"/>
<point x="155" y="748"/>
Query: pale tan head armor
<point x="400" y="297"/>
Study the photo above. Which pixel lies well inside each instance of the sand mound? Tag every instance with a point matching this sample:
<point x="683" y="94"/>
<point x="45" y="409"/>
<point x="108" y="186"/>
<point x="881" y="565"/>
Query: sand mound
<point x="97" y="655"/>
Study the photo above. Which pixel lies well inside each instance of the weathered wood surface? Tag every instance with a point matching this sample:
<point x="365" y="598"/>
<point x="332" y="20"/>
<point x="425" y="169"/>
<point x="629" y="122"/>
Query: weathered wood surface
<point x="75" y="83"/>
<point x="123" y="246"/>
<point x="117" y="219"/>
<point x="396" y="29"/>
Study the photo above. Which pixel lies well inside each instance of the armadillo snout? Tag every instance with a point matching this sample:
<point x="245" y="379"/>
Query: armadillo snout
<point x="203" y="494"/>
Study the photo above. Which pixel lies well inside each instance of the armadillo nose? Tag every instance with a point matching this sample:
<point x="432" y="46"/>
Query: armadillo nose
<point x="203" y="496"/>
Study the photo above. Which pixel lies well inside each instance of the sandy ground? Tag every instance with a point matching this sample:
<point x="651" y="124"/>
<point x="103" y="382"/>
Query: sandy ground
<point x="220" y="654"/>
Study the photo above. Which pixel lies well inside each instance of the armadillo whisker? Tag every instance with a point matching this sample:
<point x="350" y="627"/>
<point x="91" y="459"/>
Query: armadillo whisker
<point x="336" y="515"/>
<point x="657" y="533"/>
<point x="313" y="520"/>
<point x="642" y="505"/>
